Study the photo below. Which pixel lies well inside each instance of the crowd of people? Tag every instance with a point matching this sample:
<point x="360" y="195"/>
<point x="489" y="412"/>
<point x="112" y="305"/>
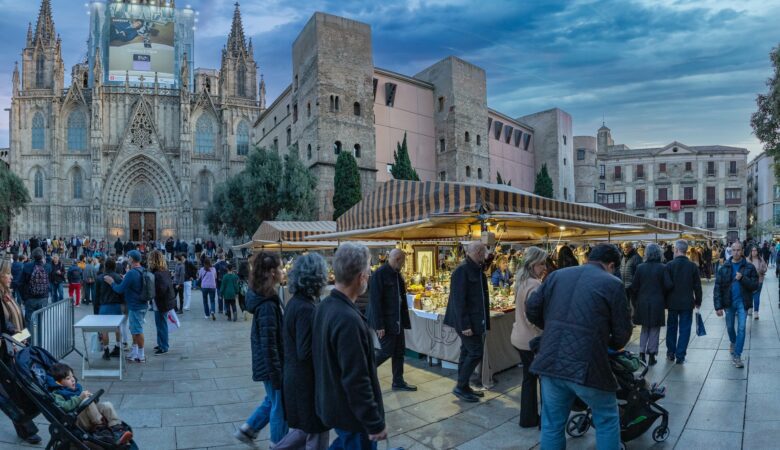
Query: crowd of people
<point x="318" y="359"/>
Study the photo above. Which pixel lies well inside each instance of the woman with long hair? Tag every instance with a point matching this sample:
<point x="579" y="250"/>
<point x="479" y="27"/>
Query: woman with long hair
<point x="566" y="258"/>
<point x="648" y="288"/>
<point x="267" y="348"/>
<point x="528" y="279"/>
<point x="164" y="298"/>
<point x="761" y="267"/>
<point x="207" y="279"/>
<point x="14" y="322"/>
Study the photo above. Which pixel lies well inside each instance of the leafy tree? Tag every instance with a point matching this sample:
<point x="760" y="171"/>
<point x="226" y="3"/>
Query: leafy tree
<point x="347" y="178"/>
<point x="500" y="180"/>
<point x="298" y="200"/>
<point x="402" y="167"/>
<point x="13" y="196"/>
<point x="760" y="230"/>
<point x="543" y="185"/>
<point x="766" y="120"/>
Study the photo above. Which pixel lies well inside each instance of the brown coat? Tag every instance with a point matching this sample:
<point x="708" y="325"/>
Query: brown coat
<point x="760" y="266"/>
<point x="523" y="330"/>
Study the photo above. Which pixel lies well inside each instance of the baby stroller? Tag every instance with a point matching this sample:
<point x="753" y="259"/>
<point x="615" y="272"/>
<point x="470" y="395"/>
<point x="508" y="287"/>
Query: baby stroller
<point x="636" y="403"/>
<point x="25" y="374"/>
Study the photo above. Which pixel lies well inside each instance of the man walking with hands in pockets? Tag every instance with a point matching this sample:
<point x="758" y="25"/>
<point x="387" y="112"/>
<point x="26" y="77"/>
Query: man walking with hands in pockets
<point x="734" y="285"/>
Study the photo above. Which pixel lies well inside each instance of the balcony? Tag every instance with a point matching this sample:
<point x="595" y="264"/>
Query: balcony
<point x="711" y="202"/>
<point x="614" y="205"/>
<point x="668" y="203"/>
<point x="732" y="225"/>
<point x="712" y="173"/>
<point x="732" y="173"/>
<point x="733" y="201"/>
<point x="639" y="205"/>
<point x="710" y="225"/>
<point x="618" y="177"/>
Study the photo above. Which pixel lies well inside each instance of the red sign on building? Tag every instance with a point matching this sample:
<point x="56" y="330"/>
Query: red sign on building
<point x="675" y="205"/>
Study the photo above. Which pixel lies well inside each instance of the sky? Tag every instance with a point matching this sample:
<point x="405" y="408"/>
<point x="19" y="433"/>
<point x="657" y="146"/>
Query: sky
<point x="655" y="71"/>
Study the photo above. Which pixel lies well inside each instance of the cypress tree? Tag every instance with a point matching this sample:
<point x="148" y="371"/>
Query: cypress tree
<point x="347" y="181"/>
<point x="543" y="185"/>
<point x="402" y="167"/>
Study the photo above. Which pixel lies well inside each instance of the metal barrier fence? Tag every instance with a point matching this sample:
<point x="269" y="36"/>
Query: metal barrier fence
<point x="52" y="329"/>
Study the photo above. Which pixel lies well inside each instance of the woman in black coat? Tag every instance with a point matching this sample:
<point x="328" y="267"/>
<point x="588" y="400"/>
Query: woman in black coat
<point x="648" y="288"/>
<point x="308" y="277"/>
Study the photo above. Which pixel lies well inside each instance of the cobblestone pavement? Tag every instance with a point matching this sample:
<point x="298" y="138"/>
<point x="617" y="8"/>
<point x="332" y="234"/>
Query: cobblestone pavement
<point x="196" y="395"/>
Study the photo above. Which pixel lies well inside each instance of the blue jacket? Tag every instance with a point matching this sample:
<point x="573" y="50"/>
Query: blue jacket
<point x="27" y="274"/>
<point x="75" y="274"/>
<point x="131" y="286"/>
<point x="16" y="273"/>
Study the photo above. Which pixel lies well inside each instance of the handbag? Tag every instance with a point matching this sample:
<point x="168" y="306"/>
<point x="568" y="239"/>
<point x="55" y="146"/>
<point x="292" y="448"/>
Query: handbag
<point x="700" y="331"/>
<point x="172" y="320"/>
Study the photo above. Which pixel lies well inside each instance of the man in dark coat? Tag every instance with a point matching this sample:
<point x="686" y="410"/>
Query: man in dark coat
<point x="583" y="312"/>
<point x="468" y="313"/>
<point x="628" y="265"/>
<point x="388" y="314"/>
<point x="118" y="247"/>
<point x="348" y="396"/>
<point x="735" y="283"/>
<point x="683" y="282"/>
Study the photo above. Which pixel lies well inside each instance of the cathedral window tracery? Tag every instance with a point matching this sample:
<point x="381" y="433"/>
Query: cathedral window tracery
<point x="204" y="135"/>
<point x="39" y="183"/>
<point x="37" y="131"/>
<point x="77" y="131"/>
<point x="77" y="184"/>
<point x="242" y="139"/>
<point x="141" y="129"/>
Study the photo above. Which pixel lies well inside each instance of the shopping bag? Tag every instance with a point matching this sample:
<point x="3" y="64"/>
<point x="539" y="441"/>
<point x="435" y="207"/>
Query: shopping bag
<point x="95" y="346"/>
<point x="172" y="320"/>
<point x="700" y="331"/>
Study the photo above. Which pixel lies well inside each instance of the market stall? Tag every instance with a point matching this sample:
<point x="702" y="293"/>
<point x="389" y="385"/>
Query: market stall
<point x="410" y="211"/>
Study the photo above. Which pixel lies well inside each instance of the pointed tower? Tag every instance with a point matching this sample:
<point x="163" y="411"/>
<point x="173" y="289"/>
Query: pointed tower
<point x="604" y="138"/>
<point x="15" y="81"/>
<point x="262" y="92"/>
<point x="238" y="74"/>
<point x="42" y="66"/>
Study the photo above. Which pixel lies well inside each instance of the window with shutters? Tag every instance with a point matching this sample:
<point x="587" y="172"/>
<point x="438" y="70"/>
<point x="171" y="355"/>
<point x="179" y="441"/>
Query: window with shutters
<point x="689" y="218"/>
<point x="711" y="168"/>
<point x="732" y="219"/>
<point x="688" y="193"/>
<point x="618" y="173"/>
<point x="662" y="167"/>
<point x="710" y="219"/>
<point x="580" y="154"/>
<point x="662" y="194"/>
<point x="639" y="202"/>
<point x="688" y="166"/>
<point x="710" y="197"/>
<point x="640" y="171"/>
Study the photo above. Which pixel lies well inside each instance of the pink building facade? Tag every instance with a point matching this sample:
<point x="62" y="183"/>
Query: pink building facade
<point x="511" y="146"/>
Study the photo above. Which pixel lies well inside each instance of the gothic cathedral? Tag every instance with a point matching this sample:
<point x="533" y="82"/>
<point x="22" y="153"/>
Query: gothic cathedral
<point x="127" y="157"/>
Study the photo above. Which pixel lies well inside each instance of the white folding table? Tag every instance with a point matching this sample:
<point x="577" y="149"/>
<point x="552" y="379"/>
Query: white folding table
<point x="100" y="324"/>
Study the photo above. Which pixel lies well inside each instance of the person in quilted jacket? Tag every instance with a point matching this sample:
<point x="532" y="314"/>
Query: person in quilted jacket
<point x="267" y="348"/>
<point x="582" y="311"/>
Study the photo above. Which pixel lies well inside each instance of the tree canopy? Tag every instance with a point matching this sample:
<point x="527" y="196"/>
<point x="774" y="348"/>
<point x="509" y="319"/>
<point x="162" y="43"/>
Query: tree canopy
<point x="766" y="120"/>
<point x="267" y="189"/>
<point x="402" y="167"/>
<point x="348" y="191"/>
<point x="543" y="185"/>
<point x="14" y="196"/>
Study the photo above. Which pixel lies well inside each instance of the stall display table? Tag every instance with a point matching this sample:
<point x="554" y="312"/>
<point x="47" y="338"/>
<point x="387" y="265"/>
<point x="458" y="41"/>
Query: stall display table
<point x="100" y="324"/>
<point x="431" y="337"/>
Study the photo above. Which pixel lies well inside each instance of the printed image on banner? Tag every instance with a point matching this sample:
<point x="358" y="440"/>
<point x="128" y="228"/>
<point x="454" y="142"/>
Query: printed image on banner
<point x="141" y="43"/>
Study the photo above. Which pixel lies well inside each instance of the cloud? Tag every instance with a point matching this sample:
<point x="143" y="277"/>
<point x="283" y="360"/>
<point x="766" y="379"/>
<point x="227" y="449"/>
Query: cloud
<point x="659" y="70"/>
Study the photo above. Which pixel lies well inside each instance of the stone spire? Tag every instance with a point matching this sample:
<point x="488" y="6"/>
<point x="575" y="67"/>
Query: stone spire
<point x="262" y="92"/>
<point x="44" y="27"/>
<point x="236" y="41"/>
<point x="15" y="80"/>
<point x="29" y="34"/>
<point x="97" y="72"/>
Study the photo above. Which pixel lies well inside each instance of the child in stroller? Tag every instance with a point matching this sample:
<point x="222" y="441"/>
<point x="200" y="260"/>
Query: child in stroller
<point x="100" y="418"/>
<point x="636" y="402"/>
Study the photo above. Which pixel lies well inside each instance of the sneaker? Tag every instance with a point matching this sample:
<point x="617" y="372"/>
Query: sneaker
<point x="140" y="360"/>
<point x="670" y="357"/>
<point x="206" y="317"/>
<point x="755" y="315"/>
<point x="130" y="356"/>
<point x="156" y="347"/>
<point x="115" y="352"/>
<point x="245" y="435"/>
<point x="106" y="354"/>
<point x="160" y="351"/>
<point x="738" y="363"/>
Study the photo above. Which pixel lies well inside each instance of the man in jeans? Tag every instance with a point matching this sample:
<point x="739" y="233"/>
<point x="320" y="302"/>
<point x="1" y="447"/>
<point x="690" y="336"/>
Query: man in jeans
<point x="468" y="313"/>
<point x="734" y="285"/>
<point x="35" y="288"/>
<point x="57" y="278"/>
<point x="682" y="283"/>
<point x="584" y="312"/>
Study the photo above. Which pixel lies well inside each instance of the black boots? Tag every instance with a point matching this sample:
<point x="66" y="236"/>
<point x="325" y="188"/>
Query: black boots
<point x="652" y="359"/>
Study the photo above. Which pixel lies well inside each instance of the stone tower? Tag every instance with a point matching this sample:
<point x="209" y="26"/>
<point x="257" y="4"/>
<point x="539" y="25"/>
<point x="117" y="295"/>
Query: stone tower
<point x="604" y="138"/>
<point x="42" y="63"/>
<point x="460" y="105"/>
<point x="238" y="74"/>
<point x="331" y="101"/>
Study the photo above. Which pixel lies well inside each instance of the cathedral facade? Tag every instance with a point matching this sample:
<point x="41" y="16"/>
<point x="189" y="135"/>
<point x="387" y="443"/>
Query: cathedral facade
<point x="127" y="157"/>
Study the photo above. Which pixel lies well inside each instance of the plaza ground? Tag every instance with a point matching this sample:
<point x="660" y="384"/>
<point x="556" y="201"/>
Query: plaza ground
<point x="196" y="395"/>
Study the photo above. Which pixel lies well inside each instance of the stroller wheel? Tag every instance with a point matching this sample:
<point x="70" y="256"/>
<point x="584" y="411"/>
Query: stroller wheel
<point x="622" y="445"/>
<point x="660" y="433"/>
<point x="578" y="425"/>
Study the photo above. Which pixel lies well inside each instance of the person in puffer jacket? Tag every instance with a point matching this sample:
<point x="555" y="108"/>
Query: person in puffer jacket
<point x="267" y="348"/>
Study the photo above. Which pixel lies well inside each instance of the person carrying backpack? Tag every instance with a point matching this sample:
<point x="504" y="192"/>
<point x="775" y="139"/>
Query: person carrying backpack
<point x="222" y="268"/>
<point x="75" y="278"/>
<point x="164" y="298"/>
<point x="34" y="286"/>
<point x="138" y="291"/>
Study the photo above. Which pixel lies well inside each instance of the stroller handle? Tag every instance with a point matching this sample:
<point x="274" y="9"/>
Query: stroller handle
<point x="11" y="339"/>
<point x="92" y="399"/>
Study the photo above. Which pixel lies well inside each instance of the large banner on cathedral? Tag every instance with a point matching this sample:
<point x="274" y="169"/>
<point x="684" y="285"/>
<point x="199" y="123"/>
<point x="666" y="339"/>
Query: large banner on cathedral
<point x="141" y="43"/>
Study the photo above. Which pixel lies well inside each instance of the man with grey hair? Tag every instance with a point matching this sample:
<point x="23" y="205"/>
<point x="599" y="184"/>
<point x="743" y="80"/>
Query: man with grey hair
<point x="628" y="265"/>
<point x="348" y="396"/>
<point x="468" y="313"/>
<point x="683" y="284"/>
<point x="388" y="314"/>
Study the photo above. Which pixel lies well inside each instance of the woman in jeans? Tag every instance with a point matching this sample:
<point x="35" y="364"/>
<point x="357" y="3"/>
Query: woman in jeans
<point x="761" y="267"/>
<point x="164" y="298"/>
<point x="207" y="278"/>
<point x="267" y="348"/>
<point x="528" y="279"/>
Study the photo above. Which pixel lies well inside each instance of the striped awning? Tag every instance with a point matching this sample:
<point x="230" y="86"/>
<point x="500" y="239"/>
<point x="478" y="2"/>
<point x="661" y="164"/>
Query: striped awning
<point x="282" y="231"/>
<point x="399" y="202"/>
